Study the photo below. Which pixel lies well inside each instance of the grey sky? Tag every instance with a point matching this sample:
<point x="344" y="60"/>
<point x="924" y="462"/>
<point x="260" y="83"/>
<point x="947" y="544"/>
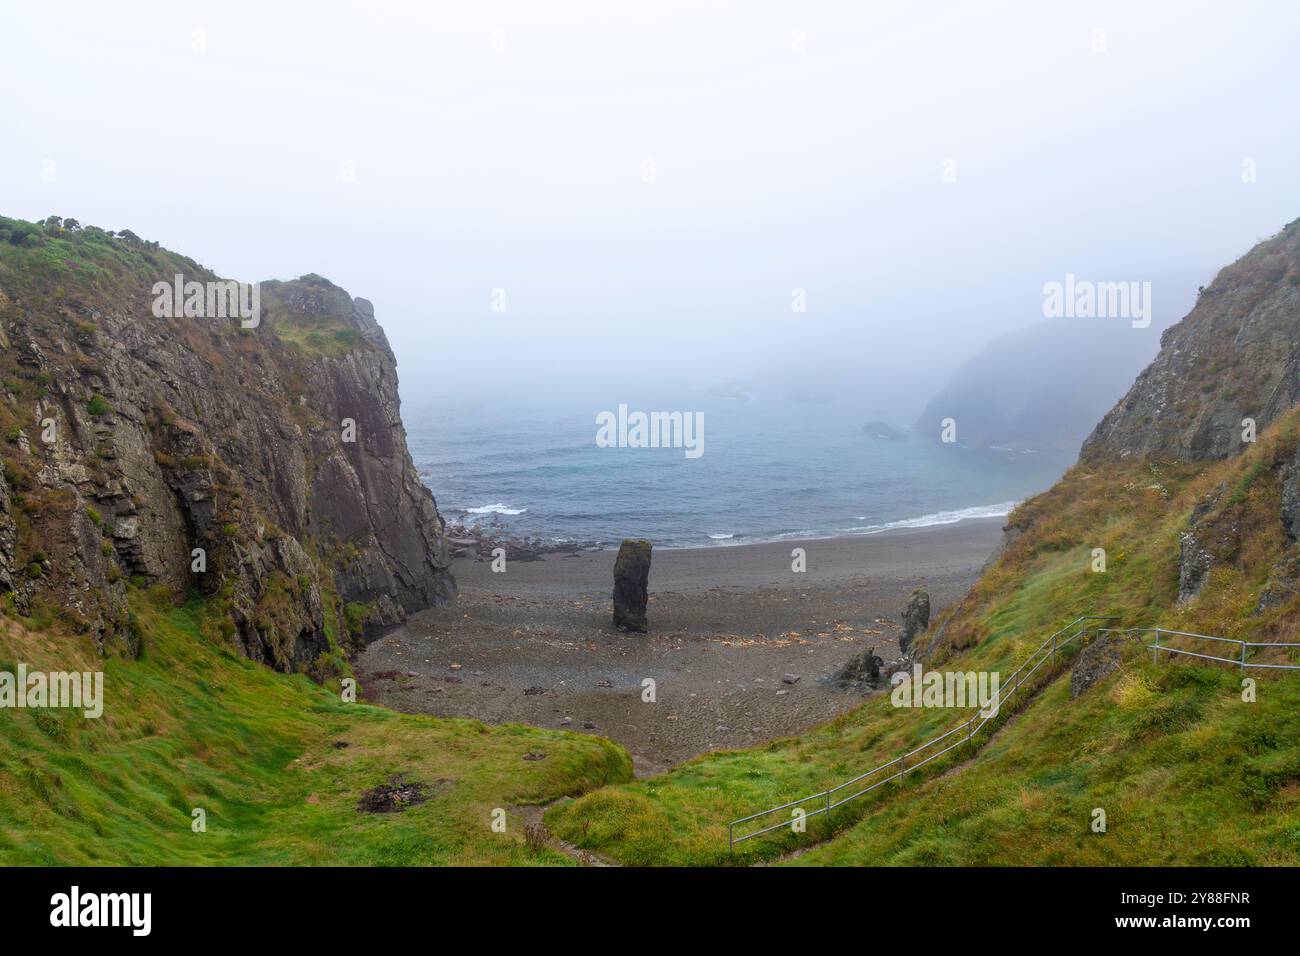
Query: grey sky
<point x="502" y="145"/>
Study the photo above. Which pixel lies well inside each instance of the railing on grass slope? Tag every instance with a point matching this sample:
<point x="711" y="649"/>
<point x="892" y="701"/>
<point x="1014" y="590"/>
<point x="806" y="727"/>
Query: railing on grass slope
<point x="827" y="800"/>
<point x="1241" y="660"/>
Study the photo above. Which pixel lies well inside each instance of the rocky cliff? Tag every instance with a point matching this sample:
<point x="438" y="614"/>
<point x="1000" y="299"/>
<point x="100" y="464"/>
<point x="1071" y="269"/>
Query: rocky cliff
<point x="1235" y="356"/>
<point x="260" y="462"/>
<point x="1200" y="524"/>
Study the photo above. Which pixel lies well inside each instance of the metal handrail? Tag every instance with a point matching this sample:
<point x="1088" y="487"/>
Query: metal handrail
<point x="969" y="725"/>
<point x="973" y="724"/>
<point x="1241" y="660"/>
<point x="1211" y="637"/>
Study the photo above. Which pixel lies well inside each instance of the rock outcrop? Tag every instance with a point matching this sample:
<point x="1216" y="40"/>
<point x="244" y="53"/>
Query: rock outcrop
<point x="8" y="538"/>
<point x="1235" y="356"/>
<point x="866" y="670"/>
<point x="1194" y="564"/>
<point x="1291" y="498"/>
<point x="1213" y="536"/>
<point x="863" y="671"/>
<point x="1095" y="662"/>
<point x="631" y="585"/>
<point x="916" y="618"/>
<point x="1284" y="578"/>
<point x="1283" y="582"/>
<point x="263" y="467"/>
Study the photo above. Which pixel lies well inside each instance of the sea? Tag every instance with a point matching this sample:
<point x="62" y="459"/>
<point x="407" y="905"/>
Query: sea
<point x="768" y="470"/>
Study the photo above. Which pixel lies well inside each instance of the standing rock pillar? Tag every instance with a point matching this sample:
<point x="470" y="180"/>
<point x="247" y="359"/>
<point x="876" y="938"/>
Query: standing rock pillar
<point x="916" y="618"/>
<point x="631" y="585"/>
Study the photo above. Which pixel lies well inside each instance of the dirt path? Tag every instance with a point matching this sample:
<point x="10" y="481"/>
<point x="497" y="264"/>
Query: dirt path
<point x="535" y="816"/>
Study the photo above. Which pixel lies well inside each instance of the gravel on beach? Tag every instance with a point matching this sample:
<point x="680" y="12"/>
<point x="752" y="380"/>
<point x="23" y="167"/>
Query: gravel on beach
<point x="729" y="627"/>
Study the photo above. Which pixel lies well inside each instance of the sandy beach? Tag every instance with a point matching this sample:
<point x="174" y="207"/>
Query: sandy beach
<point x="727" y="625"/>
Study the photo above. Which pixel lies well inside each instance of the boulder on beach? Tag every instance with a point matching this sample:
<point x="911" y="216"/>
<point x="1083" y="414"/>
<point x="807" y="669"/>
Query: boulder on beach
<point x="916" y="618"/>
<point x="861" y="672"/>
<point x="866" y="670"/>
<point x="631" y="584"/>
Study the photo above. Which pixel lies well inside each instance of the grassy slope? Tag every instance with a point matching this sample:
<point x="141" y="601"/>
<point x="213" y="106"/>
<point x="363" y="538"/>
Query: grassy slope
<point x="1185" y="771"/>
<point x="193" y="725"/>
<point x="1188" y="770"/>
<point x="325" y="335"/>
<point x="85" y="266"/>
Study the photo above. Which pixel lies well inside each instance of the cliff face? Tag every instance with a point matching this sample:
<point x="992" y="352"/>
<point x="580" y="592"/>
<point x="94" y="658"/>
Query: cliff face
<point x="1235" y="356"/>
<point x="132" y="440"/>
<point x="1202" y="528"/>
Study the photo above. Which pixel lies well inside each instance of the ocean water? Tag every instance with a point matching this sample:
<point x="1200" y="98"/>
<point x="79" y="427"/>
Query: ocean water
<point x="769" y="470"/>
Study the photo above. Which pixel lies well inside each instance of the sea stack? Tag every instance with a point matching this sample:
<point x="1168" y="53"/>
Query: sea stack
<point x="631" y="584"/>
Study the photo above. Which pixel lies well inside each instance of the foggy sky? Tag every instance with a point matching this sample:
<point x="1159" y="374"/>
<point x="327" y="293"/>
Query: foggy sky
<point x="795" y="145"/>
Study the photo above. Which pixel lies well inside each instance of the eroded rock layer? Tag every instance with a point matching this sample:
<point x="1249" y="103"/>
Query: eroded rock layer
<point x="264" y="467"/>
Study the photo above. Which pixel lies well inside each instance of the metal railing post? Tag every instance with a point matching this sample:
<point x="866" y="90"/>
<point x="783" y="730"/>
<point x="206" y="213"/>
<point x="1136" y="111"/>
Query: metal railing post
<point x="1020" y="677"/>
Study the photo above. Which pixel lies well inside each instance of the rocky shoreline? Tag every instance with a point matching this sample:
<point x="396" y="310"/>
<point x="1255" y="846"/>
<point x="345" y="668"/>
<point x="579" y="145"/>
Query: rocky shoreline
<point x="479" y="544"/>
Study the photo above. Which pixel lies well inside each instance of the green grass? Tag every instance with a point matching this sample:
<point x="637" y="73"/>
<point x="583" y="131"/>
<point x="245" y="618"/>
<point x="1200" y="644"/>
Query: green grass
<point x="82" y="265"/>
<point x="681" y="817"/>
<point x="1185" y="771"/>
<point x="193" y="725"/>
<point x="321" y="337"/>
<point x="1180" y="768"/>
